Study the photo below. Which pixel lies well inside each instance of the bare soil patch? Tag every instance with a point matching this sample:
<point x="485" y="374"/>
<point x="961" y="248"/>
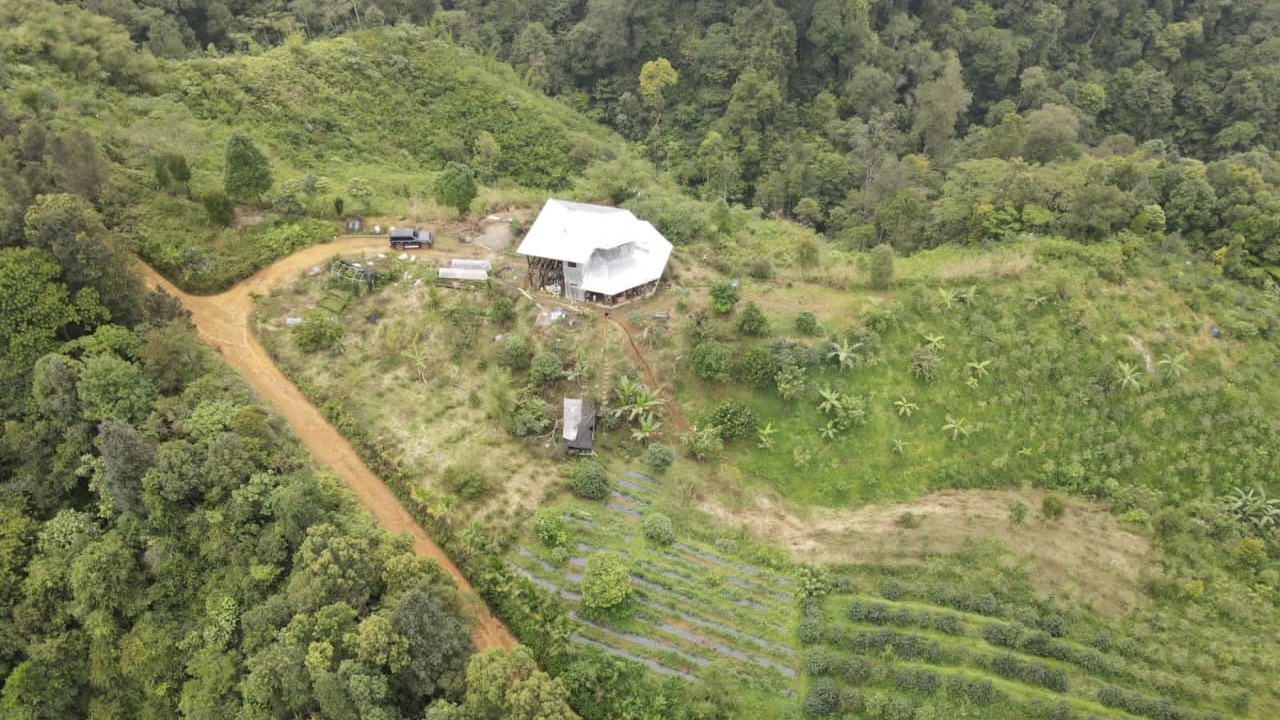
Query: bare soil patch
<point x="1086" y="556"/>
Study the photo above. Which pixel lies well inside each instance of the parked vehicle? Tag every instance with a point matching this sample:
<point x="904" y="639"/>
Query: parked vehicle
<point x="405" y="238"/>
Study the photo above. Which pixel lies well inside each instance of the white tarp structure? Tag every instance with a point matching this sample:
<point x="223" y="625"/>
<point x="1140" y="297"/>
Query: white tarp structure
<point x="595" y="251"/>
<point x="579" y="426"/>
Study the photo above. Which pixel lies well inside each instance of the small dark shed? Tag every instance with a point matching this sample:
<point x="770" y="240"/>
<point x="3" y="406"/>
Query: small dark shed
<point x="579" y="424"/>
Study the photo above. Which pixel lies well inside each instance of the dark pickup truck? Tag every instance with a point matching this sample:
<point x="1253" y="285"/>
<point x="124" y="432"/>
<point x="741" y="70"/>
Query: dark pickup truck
<point x="403" y="238"/>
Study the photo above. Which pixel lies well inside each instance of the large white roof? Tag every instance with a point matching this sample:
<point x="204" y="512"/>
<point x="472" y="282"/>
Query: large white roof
<point x="574" y="232"/>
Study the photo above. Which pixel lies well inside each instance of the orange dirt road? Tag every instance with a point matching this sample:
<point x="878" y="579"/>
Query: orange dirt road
<point x="224" y="322"/>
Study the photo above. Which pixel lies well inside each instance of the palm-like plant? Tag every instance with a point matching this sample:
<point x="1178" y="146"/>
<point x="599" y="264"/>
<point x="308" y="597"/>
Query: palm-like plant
<point x="905" y="407"/>
<point x="845" y="355"/>
<point x="935" y="342"/>
<point x="765" y="435"/>
<point x="828" y="431"/>
<point x="830" y="401"/>
<point x="979" y="367"/>
<point x="1253" y="508"/>
<point x="1130" y="376"/>
<point x="947" y="299"/>
<point x="645" y="429"/>
<point x="1036" y="301"/>
<point x="958" y="427"/>
<point x="1173" y="366"/>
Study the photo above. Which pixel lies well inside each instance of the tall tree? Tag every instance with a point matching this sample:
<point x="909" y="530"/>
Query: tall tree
<point x="455" y="187"/>
<point x="247" y="171"/>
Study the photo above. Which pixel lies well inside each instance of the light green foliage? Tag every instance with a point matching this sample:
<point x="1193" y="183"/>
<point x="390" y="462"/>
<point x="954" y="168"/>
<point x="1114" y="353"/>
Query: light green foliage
<point x="546" y="369"/>
<point x="549" y="528"/>
<point x="606" y="581"/>
<point x="658" y="456"/>
<point x="34" y="306"/>
<point x="724" y="295"/>
<point x="1053" y="507"/>
<point x="317" y="331"/>
<point x="1017" y="512"/>
<point x="806" y="323"/>
<point x="813" y="581"/>
<point x="733" y="420"/>
<point x="589" y="479"/>
<point x="752" y="321"/>
<point x="113" y="388"/>
<point x="658" y="528"/>
<point x="246" y="170"/>
<point x="711" y="360"/>
<point x="455" y="187"/>
<point x="703" y="443"/>
<point x="507" y="685"/>
<point x="513" y="352"/>
<point x="882" y="267"/>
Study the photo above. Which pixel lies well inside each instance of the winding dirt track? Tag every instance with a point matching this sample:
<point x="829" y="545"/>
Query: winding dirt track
<point x="224" y="322"/>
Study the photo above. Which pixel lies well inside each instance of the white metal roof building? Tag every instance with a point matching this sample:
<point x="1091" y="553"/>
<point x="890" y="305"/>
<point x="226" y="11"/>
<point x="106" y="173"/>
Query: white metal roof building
<point x="593" y="252"/>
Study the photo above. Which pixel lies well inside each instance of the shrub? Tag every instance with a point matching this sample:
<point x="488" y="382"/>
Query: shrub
<point x="823" y="698"/>
<point x="754" y="367"/>
<point x="810" y="631"/>
<point x="606" y="581"/>
<point x="820" y="661"/>
<point x="703" y="443"/>
<point x="734" y="420"/>
<point x="528" y="416"/>
<point x="711" y="360"/>
<point x="856" y="669"/>
<point x="465" y="481"/>
<point x="549" y="528"/>
<point x="317" y="331"/>
<point x="760" y="269"/>
<point x="514" y="352"/>
<point x="812" y="581"/>
<point x="501" y="310"/>
<point x="545" y="369"/>
<point x="806" y="323"/>
<point x="1017" y="512"/>
<point x="882" y="267"/>
<point x="658" y="529"/>
<point x="925" y="364"/>
<point x="752" y="321"/>
<point x="221" y="209"/>
<point x="658" y="456"/>
<point x="1053" y="506"/>
<point x="724" y="295"/>
<point x="589" y="480"/>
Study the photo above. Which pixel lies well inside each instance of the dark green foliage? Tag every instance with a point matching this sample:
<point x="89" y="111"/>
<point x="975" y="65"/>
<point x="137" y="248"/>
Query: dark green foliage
<point x="752" y="321"/>
<point x="658" y="456"/>
<point x="657" y="528"/>
<point x="925" y="364"/>
<point x="529" y="416"/>
<point x="823" y="698"/>
<point x="502" y="310"/>
<point x="810" y="630"/>
<point x="1053" y="507"/>
<point x="246" y="172"/>
<point x="806" y="323"/>
<point x="546" y="369"/>
<point x="455" y="187"/>
<point x="589" y="479"/>
<point x="724" y="295"/>
<point x="881" y="267"/>
<point x="514" y="352"/>
<point x="466" y="481"/>
<point x="711" y="360"/>
<point x="753" y="366"/>
<point x="733" y="420"/>
<point x="317" y="331"/>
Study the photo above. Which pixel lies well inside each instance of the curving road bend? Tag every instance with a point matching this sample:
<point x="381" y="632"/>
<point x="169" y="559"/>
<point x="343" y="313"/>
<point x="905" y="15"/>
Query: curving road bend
<point x="224" y="322"/>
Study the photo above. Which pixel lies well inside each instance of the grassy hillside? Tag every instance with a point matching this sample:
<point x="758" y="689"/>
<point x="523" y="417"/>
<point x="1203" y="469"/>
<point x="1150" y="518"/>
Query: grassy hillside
<point x="369" y="118"/>
<point x="1038" y="380"/>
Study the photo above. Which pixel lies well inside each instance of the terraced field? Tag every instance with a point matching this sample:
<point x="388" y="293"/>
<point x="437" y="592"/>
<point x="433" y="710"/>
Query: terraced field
<point x="959" y="656"/>
<point x="692" y="604"/>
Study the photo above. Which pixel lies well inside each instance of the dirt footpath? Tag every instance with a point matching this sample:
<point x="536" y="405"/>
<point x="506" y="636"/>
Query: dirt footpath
<point x="223" y="321"/>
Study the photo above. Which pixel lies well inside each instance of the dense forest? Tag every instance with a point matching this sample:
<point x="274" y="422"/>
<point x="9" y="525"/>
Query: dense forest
<point x="913" y="123"/>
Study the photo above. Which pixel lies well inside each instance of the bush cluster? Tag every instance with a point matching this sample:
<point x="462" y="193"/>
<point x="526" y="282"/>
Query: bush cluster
<point x="733" y="420"/>
<point x="1031" y="673"/>
<point x="549" y="528"/>
<point x="317" y="331"/>
<point x="658" y="528"/>
<point x="658" y="456"/>
<point x="1155" y="708"/>
<point x="823" y="698"/>
<point x="905" y="645"/>
<point x="589" y="480"/>
<point x="806" y="323"/>
<point x="514" y="352"/>
<point x="874" y="613"/>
